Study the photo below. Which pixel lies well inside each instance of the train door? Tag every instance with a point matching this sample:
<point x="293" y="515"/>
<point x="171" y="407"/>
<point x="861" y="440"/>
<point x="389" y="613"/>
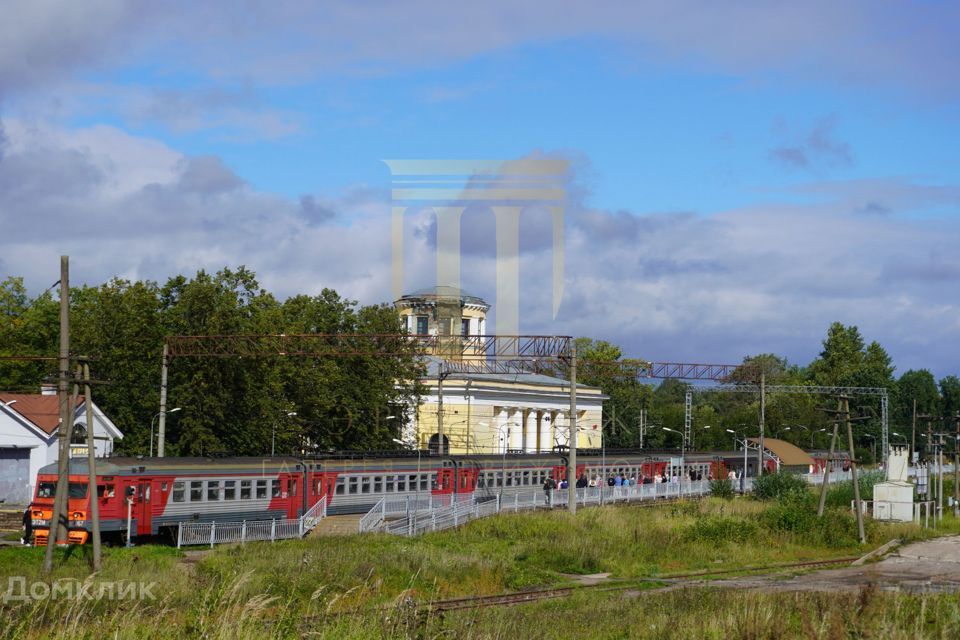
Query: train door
<point x="445" y="481"/>
<point x="142" y="509"/>
<point x="293" y="491"/>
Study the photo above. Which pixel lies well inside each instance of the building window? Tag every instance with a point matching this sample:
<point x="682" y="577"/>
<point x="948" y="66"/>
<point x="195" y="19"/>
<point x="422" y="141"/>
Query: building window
<point x="422" y="325"/>
<point x="465" y="327"/>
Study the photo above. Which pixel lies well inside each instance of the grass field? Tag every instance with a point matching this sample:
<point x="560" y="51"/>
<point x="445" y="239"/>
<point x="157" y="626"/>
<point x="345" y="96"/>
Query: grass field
<point x="368" y="586"/>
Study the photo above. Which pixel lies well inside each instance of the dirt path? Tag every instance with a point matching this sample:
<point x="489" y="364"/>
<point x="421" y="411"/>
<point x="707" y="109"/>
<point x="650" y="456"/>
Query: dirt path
<point x="932" y="566"/>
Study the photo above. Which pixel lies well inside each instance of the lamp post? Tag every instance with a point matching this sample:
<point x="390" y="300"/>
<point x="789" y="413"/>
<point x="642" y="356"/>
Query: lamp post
<point x="683" y="454"/>
<point x="743" y="476"/>
<point x="152" y="420"/>
<point x="273" y="434"/>
<point x="873" y="447"/>
<point x="402" y="443"/>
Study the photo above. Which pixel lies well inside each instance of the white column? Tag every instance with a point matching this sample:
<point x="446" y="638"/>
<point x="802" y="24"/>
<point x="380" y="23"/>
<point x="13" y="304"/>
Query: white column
<point x="501" y="423"/>
<point x="531" y="428"/>
<point x="516" y="428"/>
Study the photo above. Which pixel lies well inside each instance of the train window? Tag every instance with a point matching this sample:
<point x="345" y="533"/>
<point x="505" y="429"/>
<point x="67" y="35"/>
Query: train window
<point x="481" y="480"/>
<point x="178" y="491"/>
<point x="245" y="489"/>
<point x="261" y="489"/>
<point x="213" y="490"/>
<point x="163" y="487"/>
<point x="378" y="484"/>
<point x="526" y="478"/>
<point x="389" y="483"/>
<point x="425" y="483"/>
<point x="293" y="487"/>
<point x="275" y="487"/>
<point x="401" y="483"/>
<point x="105" y="491"/>
<point x="229" y="489"/>
<point x="352" y="484"/>
<point x="196" y="491"/>
<point x="340" y="488"/>
<point x="364" y="485"/>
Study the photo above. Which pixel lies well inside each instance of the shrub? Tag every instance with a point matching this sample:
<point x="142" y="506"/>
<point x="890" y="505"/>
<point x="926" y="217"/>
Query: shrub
<point x="778" y="485"/>
<point x="719" y="530"/>
<point x="722" y="488"/>
<point x="841" y="493"/>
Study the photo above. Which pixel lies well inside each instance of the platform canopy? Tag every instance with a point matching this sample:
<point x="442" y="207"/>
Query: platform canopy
<point x="790" y="455"/>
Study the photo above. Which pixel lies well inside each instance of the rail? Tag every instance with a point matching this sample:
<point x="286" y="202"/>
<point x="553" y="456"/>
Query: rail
<point x="211" y="533"/>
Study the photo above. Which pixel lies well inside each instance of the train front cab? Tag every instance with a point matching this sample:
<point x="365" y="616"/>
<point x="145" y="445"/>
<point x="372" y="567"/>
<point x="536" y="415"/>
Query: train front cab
<point x="78" y="504"/>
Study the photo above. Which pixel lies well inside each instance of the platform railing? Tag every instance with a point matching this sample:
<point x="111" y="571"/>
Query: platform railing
<point x="211" y="533"/>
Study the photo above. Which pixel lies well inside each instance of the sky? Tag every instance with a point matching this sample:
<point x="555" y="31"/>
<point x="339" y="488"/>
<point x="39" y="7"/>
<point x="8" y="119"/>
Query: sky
<point x="740" y="174"/>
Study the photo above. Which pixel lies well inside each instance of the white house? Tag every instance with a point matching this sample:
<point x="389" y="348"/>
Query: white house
<point x="28" y="439"/>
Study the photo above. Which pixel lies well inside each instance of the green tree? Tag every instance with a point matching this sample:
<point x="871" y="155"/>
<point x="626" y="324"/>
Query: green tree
<point x="950" y="395"/>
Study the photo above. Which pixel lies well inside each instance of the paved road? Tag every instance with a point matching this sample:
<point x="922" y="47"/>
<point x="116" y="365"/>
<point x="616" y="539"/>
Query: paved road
<point x="923" y="567"/>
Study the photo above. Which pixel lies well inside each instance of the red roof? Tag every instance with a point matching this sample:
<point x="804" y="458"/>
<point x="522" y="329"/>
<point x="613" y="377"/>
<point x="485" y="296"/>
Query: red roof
<point x="41" y="410"/>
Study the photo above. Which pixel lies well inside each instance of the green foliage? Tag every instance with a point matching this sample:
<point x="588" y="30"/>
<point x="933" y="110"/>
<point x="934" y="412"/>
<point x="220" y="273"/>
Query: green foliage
<point x="229" y="405"/>
<point x="722" y="488"/>
<point x="796" y="513"/>
<point x="840" y="494"/>
<point x="774" y="486"/>
<point x="719" y="530"/>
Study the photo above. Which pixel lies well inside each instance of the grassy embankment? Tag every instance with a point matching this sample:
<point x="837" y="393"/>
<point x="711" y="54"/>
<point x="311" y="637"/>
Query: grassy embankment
<point x="232" y="591"/>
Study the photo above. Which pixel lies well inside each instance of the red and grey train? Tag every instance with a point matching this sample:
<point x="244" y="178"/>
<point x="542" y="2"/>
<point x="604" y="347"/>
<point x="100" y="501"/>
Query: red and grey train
<point x="151" y="496"/>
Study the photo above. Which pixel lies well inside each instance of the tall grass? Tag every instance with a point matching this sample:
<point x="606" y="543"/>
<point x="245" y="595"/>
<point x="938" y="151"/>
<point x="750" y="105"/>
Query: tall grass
<point x="369" y="586"/>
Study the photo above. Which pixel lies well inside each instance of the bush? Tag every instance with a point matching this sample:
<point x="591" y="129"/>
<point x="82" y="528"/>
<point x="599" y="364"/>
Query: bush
<point x="719" y="530"/>
<point x="796" y="513"/>
<point x="841" y="493"/>
<point x="774" y="486"/>
<point x="722" y="488"/>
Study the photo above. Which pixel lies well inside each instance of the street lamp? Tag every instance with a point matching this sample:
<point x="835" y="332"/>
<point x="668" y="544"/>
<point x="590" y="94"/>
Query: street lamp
<point x="273" y="434"/>
<point x="401" y="442"/>
<point x="152" y="420"/>
<point x="873" y="447"/>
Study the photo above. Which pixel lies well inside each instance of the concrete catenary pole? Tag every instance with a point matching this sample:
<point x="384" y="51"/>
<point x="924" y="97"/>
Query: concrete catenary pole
<point x="94" y="515"/>
<point x="58" y="526"/>
<point x="763" y="419"/>
<point x="162" y="424"/>
<point x="572" y="459"/>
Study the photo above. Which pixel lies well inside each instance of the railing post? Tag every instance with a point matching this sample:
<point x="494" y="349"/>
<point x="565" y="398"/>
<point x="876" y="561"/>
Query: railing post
<point x="516" y="502"/>
<point x="213" y="526"/>
<point x="433" y="519"/>
<point x="243" y="532"/>
<point x="455" y="523"/>
<point x="179" y="534"/>
<point x="408" y="507"/>
<point x="273" y="528"/>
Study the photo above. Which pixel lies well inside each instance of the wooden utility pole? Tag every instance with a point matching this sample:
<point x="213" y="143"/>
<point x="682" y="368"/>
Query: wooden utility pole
<point x="853" y="471"/>
<point x="826" y="468"/>
<point x="57" y="529"/>
<point x="572" y="459"/>
<point x="94" y="514"/>
<point x="956" y="466"/>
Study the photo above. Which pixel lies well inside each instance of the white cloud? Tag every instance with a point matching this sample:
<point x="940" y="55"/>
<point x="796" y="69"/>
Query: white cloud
<point x="667" y="286"/>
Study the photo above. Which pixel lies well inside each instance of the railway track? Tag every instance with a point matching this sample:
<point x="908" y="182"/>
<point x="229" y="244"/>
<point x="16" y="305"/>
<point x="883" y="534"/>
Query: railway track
<point x="673" y="581"/>
<point x="670" y="581"/>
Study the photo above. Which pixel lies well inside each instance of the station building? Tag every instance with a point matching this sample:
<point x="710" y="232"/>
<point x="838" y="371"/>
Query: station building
<point x="488" y="413"/>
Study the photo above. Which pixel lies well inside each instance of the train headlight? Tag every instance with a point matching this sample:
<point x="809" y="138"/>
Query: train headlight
<point x="79" y="515"/>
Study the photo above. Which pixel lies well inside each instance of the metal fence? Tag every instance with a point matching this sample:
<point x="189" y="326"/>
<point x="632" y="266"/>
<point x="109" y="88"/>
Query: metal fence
<point x="391" y="506"/>
<point x="211" y="533"/>
<point x="471" y="507"/>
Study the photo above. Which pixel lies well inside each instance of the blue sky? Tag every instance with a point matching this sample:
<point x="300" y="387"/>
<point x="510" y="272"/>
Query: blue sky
<point x="741" y="175"/>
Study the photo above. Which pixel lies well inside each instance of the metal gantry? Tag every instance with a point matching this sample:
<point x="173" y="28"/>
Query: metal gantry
<point x="880" y="392"/>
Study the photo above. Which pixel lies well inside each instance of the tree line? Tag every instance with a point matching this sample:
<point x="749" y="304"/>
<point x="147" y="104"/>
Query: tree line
<point x="235" y="406"/>
<point x="240" y="405"/>
<point x="846" y="360"/>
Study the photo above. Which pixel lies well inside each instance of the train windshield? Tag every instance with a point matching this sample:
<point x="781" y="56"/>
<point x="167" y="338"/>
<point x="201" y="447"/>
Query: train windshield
<point x="49" y="490"/>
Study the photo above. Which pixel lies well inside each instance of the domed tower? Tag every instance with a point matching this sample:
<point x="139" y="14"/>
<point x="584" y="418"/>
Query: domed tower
<point x="443" y="311"/>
